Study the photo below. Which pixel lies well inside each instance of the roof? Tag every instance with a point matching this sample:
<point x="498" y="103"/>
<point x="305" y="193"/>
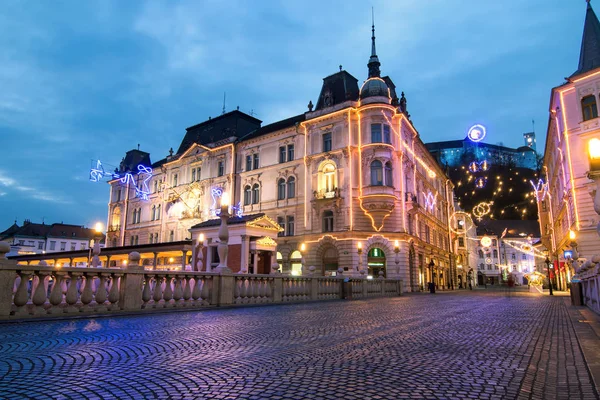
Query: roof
<point x="234" y="123"/>
<point x="231" y="221"/>
<point x="13" y="228"/>
<point x="336" y="89"/>
<point x="275" y="126"/>
<point x="466" y="143"/>
<point x="33" y="230"/>
<point x="132" y="159"/>
<point x="513" y="228"/>
<point x="589" y="56"/>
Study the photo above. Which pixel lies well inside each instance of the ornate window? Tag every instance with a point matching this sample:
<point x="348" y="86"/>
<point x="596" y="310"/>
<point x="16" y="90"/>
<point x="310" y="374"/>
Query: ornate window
<point x="327" y="141"/>
<point x="328" y="221"/>
<point x="376" y="173"/>
<point x="255" y="193"/>
<point x="158" y="211"/>
<point x="327" y="178"/>
<point x="290" y="152"/>
<point x="247" y="195"/>
<point x="171" y="236"/>
<point x="289" y="230"/>
<point x="255" y="161"/>
<point x="282" y="154"/>
<point x="291" y="187"/>
<point x="281" y="222"/>
<point x="221" y="168"/>
<point x="281" y="189"/>
<point x="380" y="133"/>
<point x="589" y="107"/>
<point x="248" y="162"/>
<point x="389" y="180"/>
<point x="174" y="180"/>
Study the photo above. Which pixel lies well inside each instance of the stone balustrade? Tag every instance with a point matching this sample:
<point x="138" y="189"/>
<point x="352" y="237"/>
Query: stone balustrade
<point x="29" y="291"/>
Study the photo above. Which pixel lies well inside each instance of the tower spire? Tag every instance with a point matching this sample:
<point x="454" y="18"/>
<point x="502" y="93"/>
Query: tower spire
<point x="374" y="63"/>
<point x="589" y="56"/>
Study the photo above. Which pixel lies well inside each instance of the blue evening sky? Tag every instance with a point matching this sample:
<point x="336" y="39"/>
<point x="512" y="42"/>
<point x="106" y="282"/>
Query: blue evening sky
<point x="82" y="80"/>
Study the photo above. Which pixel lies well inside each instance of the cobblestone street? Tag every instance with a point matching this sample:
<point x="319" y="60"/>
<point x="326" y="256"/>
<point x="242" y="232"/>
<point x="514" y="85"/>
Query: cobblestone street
<point x="476" y="344"/>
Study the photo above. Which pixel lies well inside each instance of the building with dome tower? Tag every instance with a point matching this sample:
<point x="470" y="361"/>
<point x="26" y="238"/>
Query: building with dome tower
<point x="347" y="185"/>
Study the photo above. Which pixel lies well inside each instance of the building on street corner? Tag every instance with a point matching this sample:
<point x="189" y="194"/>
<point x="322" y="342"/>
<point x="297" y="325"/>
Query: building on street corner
<point x="348" y="185"/>
<point x="565" y="202"/>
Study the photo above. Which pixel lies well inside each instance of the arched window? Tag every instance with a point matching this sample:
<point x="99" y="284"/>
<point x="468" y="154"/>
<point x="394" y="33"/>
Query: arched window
<point x="589" y="107"/>
<point x="291" y="187"/>
<point x="158" y="211"/>
<point x="296" y="263"/>
<point x="153" y="213"/>
<point x="247" y="195"/>
<point x="376" y="173"/>
<point x="281" y="189"/>
<point x="255" y="193"/>
<point x="328" y="221"/>
<point x="389" y="180"/>
<point x="327" y="177"/>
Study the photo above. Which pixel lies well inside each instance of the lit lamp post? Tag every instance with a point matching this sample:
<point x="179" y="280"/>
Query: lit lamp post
<point x="302" y="260"/>
<point x="431" y="280"/>
<point x="397" y="259"/>
<point x="547" y="261"/>
<point x="199" y="256"/>
<point x="96" y="244"/>
<point x="223" y="246"/>
<point x="359" y="251"/>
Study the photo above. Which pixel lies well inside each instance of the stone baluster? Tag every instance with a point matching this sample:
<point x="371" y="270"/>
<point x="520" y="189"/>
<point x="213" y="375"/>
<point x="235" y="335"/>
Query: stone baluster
<point x="72" y="292"/>
<point x="168" y="293"/>
<point x="206" y="285"/>
<point x="178" y="293"/>
<point x="252" y="289"/>
<point x="158" y="293"/>
<point x="243" y="289"/>
<point x="237" y="290"/>
<point x="101" y="294"/>
<point x="88" y="292"/>
<point x="56" y="294"/>
<point x="113" y="293"/>
<point x="187" y="291"/>
<point x="41" y="294"/>
<point x="146" y="293"/>
<point x="197" y="292"/>
<point x="22" y="295"/>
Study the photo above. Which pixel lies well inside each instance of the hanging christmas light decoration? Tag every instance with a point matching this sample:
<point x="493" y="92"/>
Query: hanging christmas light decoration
<point x="480" y="182"/>
<point x="482" y="209"/>
<point x="460" y="222"/>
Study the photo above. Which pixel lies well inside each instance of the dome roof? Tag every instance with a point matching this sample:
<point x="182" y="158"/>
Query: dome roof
<point x="374" y="87"/>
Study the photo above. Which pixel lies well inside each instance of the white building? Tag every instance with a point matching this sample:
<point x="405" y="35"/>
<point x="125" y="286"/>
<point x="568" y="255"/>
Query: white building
<point x="350" y="173"/>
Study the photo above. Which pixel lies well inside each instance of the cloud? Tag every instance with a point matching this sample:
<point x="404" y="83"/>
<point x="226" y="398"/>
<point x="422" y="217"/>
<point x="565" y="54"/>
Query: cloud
<point x="10" y="183"/>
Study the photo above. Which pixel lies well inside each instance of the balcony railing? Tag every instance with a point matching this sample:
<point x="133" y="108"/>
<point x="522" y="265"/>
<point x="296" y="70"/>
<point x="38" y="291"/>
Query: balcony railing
<point x="113" y="228"/>
<point x="323" y="194"/>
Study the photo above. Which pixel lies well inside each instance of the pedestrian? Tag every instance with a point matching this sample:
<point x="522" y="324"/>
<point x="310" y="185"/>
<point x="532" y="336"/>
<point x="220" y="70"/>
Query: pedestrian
<point x="470" y="285"/>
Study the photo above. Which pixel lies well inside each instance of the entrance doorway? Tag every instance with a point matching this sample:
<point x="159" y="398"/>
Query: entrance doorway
<point x="330" y="262"/>
<point x="376" y="262"/>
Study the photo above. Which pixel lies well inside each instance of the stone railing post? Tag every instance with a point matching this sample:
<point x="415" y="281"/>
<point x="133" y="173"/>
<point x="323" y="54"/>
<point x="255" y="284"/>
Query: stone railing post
<point x="130" y="291"/>
<point x="364" y="287"/>
<point x="277" y="289"/>
<point x="225" y="286"/>
<point x="314" y="288"/>
<point x="7" y="280"/>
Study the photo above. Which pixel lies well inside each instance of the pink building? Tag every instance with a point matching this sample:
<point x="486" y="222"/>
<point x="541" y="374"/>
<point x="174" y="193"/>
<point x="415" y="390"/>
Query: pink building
<point x="565" y="197"/>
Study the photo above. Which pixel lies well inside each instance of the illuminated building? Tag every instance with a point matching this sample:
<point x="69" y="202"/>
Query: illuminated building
<point x="572" y="128"/>
<point x="456" y="153"/>
<point x="32" y="238"/>
<point x="351" y="171"/>
<point x="529" y="139"/>
<point x="506" y="247"/>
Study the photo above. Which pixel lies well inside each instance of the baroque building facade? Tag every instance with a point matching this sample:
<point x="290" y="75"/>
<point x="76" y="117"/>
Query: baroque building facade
<point x="565" y="197"/>
<point x="349" y="182"/>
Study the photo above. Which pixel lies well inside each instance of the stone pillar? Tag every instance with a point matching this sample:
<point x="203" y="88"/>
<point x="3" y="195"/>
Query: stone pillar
<point x="183" y="259"/>
<point x="208" y="266"/>
<point x="274" y="264"/>
<point x="7" y="279"/>
<point x="130" y="290"/>
<point x="245" y="252"/>
<point x="256" y="261"/>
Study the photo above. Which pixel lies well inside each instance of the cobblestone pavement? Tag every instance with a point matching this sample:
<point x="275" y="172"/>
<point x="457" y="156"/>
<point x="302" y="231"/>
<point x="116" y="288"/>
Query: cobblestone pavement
<point x="446" y="346"/>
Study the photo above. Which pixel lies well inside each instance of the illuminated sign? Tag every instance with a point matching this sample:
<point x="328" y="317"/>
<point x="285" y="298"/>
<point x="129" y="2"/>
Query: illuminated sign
<point x="540" y="188"/>
<point x="429" y="201"/>
<point x="476" y="133"/>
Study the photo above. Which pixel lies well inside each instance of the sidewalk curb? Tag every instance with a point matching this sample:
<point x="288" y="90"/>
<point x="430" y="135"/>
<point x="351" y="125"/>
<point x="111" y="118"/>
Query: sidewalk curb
<point x="586" y="324"/>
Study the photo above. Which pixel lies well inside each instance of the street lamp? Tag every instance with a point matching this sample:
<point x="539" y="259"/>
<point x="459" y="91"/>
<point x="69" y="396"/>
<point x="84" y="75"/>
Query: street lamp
<point x="302" y="251"/>
<point x="359" y="251"/>
<point x="547" y="261"/>
<point x="223" y="246"/>
<point x="96" y="244"/>
<point x="199" y="255"/>
<point x="431" y="281"/>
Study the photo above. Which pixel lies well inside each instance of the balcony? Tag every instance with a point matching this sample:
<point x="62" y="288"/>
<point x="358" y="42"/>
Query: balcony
<point x="113" y="228"/>
<point x="324" y="195"/>
<point x="378" y="202"/>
